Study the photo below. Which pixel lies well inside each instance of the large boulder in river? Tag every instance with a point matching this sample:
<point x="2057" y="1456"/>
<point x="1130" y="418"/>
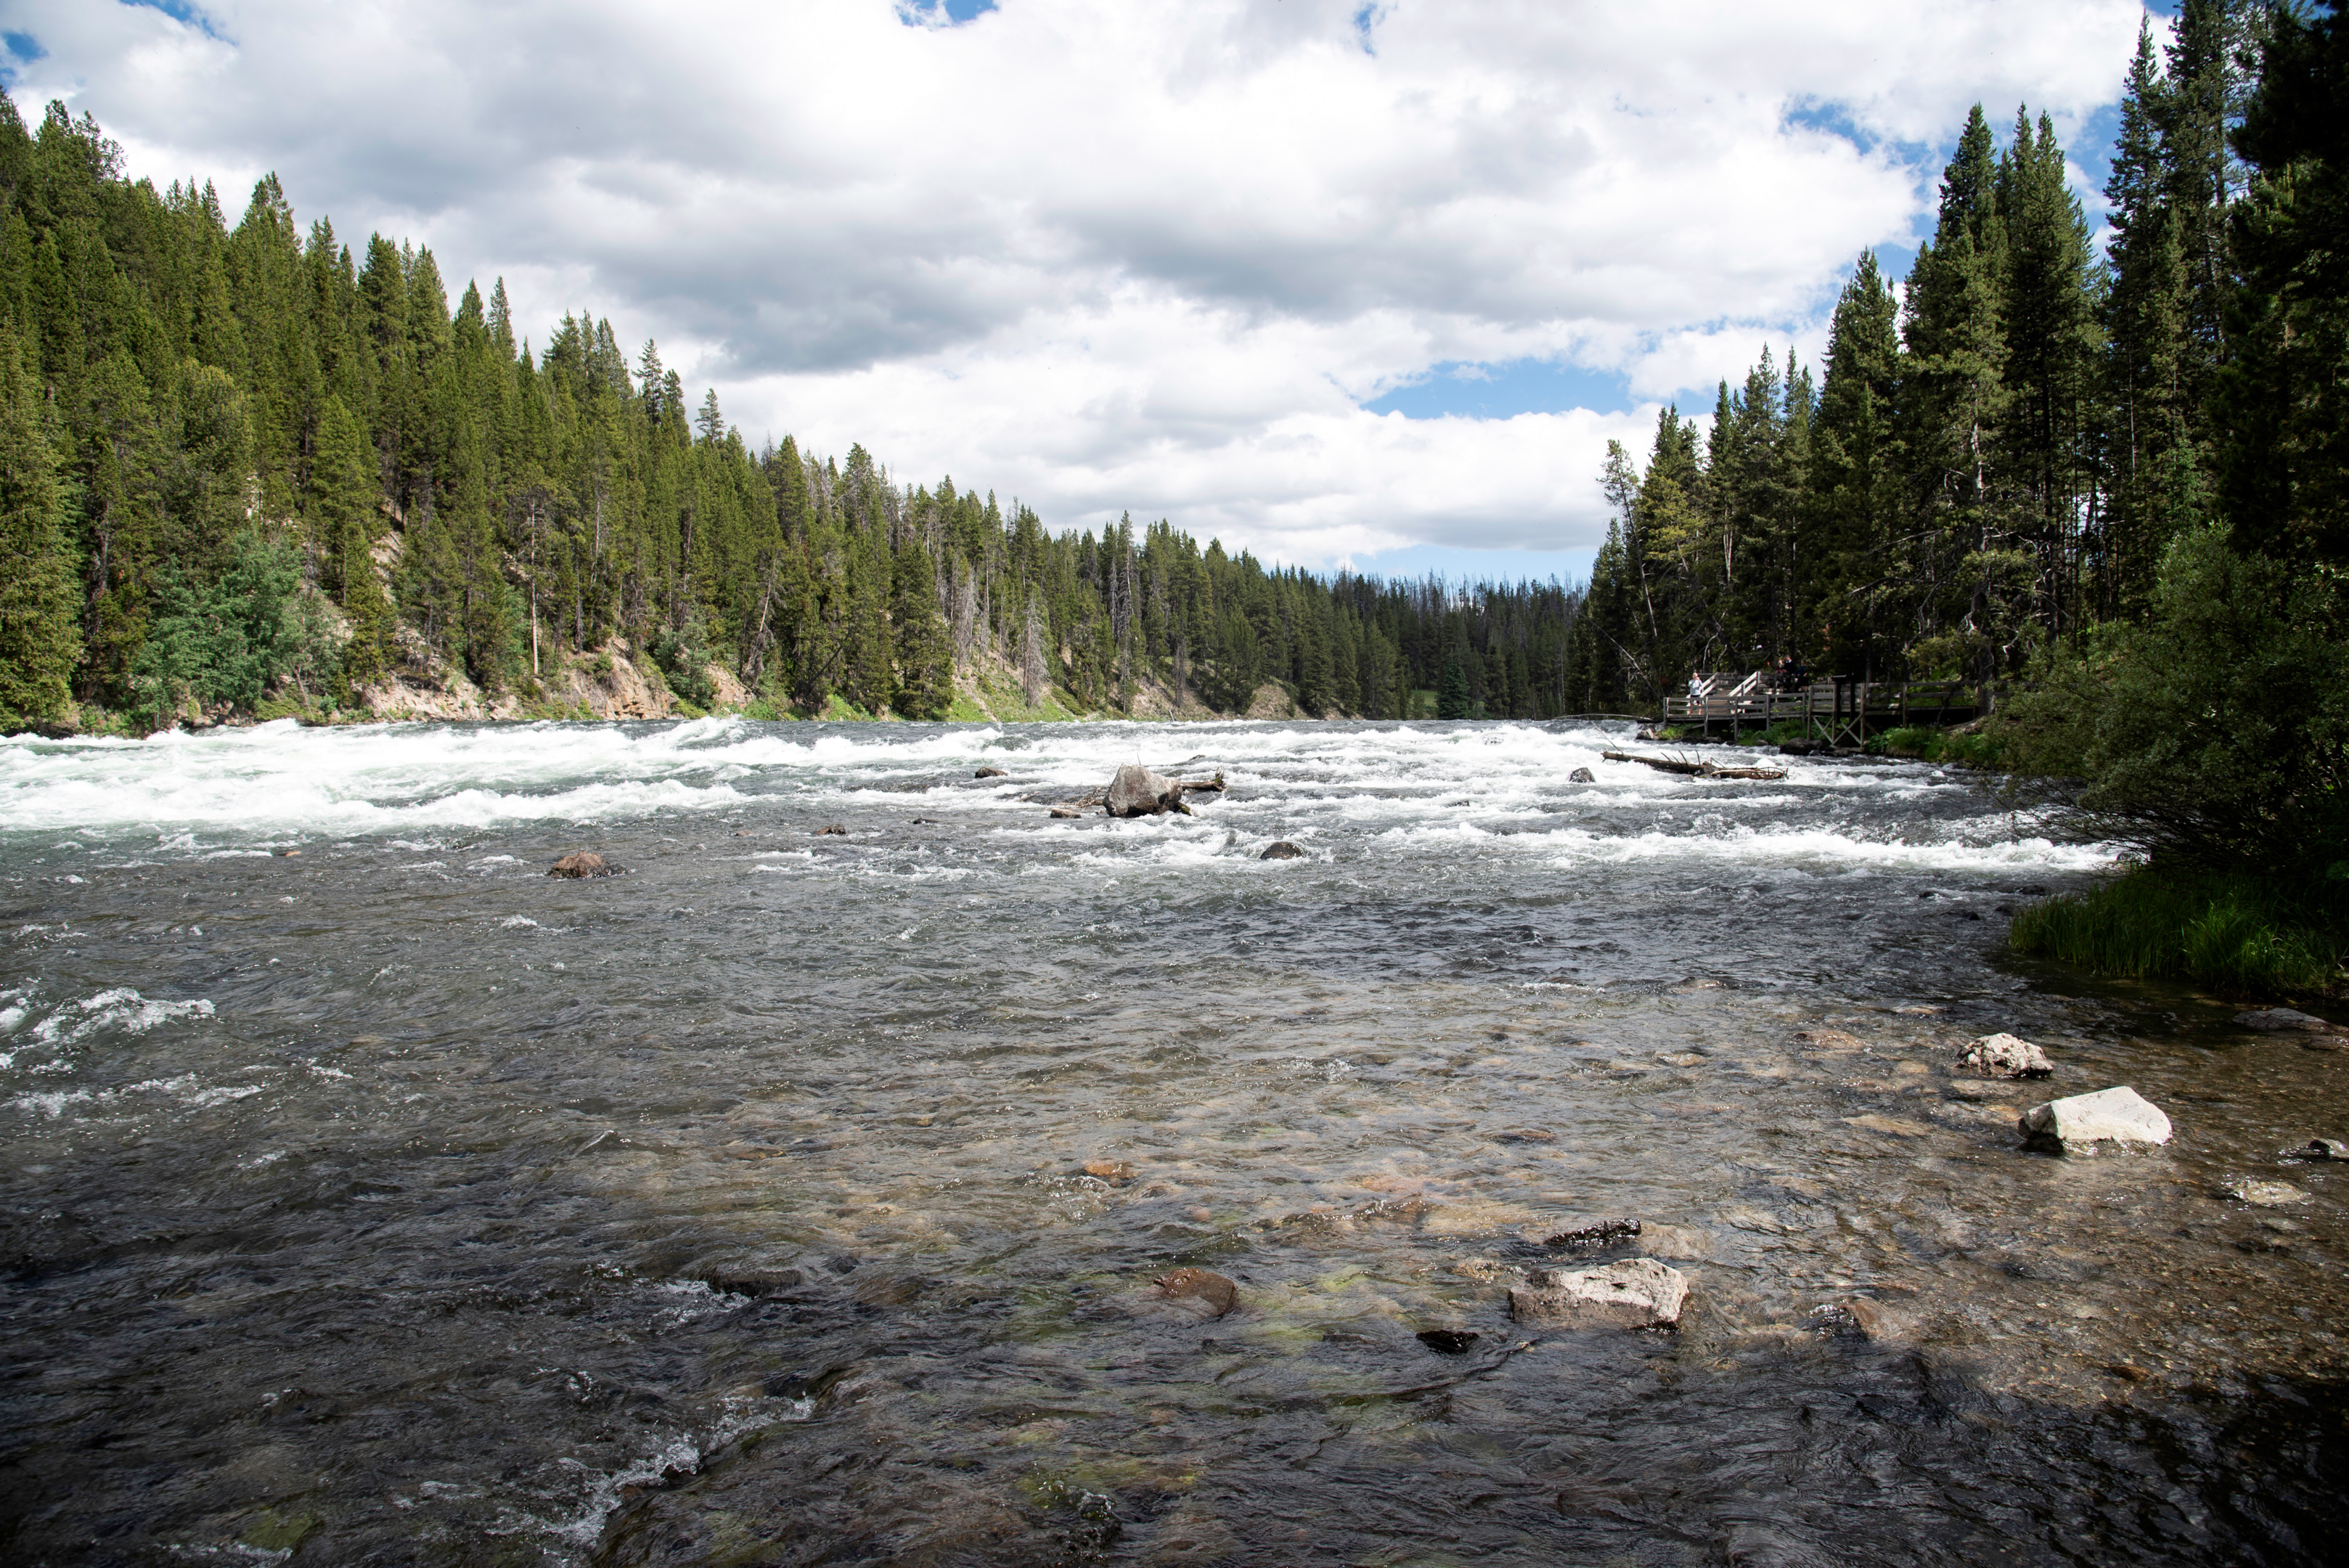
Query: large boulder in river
<point x="585" y="863"/>
<point x="2078" y="1124"/>
<point x="1639" y="1292"/>
<point x="2004" y="1056"/>
<point x="1138" y="792"/>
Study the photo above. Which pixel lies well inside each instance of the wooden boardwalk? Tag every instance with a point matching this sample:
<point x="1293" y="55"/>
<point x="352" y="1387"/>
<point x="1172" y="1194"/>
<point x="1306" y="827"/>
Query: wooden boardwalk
<point x="1838" y="713"/>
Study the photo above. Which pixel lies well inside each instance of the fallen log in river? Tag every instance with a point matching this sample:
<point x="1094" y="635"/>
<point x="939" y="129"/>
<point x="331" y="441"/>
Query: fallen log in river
<point x="1695" y="769"/>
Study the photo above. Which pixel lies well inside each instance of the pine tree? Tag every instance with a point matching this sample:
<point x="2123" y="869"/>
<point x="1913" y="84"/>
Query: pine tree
<point x="925" y="688"/>
<point x="1855" y="584"/>
<point x="39" y="643"/>
<point x="2151" y="479"/>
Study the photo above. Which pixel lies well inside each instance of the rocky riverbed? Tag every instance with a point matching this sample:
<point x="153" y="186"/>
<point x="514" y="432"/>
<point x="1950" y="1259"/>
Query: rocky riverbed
<point x="975" y="1185"/>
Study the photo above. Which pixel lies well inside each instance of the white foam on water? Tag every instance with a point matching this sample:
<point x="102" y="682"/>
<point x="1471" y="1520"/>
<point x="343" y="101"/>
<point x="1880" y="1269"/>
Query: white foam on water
<point x="121" y="1009"/>
<point x="1395" y="784"/>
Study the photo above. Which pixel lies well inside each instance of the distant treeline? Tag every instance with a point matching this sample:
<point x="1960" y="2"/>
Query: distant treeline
<point x="245" y="461"/>
<point x="1996" y="459"/>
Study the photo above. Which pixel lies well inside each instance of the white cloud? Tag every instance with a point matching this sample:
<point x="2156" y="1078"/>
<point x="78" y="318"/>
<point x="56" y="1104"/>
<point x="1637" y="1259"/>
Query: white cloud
<point x="1114" y="256"/>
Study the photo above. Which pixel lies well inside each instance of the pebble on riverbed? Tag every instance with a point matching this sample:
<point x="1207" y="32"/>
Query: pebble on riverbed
<point x="1638" y="1293"/>
<point x="2080" y="1124"/>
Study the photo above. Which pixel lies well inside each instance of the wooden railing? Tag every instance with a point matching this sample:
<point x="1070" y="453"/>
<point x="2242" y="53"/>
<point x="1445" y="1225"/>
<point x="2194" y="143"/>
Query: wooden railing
<point x="1839" y="712"/>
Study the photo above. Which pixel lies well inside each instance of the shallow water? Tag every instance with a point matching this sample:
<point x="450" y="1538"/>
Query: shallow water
<point x="394" y="1202"/>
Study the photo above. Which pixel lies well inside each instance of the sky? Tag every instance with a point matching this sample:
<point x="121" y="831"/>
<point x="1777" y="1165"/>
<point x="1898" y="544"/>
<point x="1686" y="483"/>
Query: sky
<point x="1346" y="284"/>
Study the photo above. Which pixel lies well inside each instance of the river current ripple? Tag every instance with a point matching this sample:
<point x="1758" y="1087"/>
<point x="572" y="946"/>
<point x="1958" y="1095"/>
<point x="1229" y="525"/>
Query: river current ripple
<point x="392" y="1202"/>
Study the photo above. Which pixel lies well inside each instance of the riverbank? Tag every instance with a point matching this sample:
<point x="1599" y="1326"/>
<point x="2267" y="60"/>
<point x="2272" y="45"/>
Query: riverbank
<point x="618" y="682"/>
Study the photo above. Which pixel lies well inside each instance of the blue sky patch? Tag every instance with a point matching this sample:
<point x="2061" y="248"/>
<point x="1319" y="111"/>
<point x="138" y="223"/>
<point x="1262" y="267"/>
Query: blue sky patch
<point x="1514" y="387"/>
<point x="926" y="13"/>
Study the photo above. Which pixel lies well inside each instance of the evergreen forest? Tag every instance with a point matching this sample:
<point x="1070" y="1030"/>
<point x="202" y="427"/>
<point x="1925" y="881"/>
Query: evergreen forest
<point x="252" y="468"/>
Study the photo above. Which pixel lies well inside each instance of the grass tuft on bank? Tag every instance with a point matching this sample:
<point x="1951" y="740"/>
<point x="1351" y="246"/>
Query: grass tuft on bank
<point x="2232" y="932"/>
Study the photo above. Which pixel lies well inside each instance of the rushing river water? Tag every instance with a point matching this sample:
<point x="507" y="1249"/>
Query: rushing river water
<point x="393" y="1203"/>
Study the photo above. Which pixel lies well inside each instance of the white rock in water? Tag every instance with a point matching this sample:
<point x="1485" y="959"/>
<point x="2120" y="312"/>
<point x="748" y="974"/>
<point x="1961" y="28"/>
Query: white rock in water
<point x="2117" y="1114"/>
<point x="1638" y="1293"/>
<point x="2004" y="1056"/>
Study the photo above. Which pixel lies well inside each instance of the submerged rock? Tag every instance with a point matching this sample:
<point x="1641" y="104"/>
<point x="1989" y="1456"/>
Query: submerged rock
<point x="1283" y="850"/>
<point x="1110" y="1170"/>
<point x="1203" y="1291"/>
<point x="1138" y="792"/>
<point x="2004" y="1056"/>
<point x="1582" y="776"/>
<point x="829" y="828"/>
<point x="989" y="774"/>
<point x="1525" y="1135"/>
<point x="2283" y="1020"/>
<point x="584" y="863"/>
<point x="2260" y="1194"/>
<point x="2075" y="1124"/>
<point x="1638" y="1293"/>
<point x="1596" y="1234"/>
<point x="1066" y="812"/>
<point x="1448" y="1340"/>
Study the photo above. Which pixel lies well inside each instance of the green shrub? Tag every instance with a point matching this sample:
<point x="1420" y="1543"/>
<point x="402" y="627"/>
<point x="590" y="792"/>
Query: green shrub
<point x="2232" y="932"/>
<point x="232" y="641"/>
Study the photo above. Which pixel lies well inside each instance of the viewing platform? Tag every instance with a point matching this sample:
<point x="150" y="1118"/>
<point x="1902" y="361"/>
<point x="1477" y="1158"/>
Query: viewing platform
<point x="1839" y="712"/>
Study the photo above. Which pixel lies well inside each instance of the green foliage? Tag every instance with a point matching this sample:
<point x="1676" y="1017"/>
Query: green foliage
<point x="2231" y="931"/>
<point x="682" y="654"/>
<point x="2217" y="734"/>
<point x="1970" y="748"/>
<point x="231" y="641"/>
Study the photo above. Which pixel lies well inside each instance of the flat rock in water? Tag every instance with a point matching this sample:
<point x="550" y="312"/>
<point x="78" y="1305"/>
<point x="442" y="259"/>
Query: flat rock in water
<point x="584" y="864"/>
<point x="1582" y="776"/>
<point x="1110" y="1170"/>
<point x="2078" y="1122"/>
<point x="2260" y="1194"/>
<point x="1677" y="1242"/>
<point x="1202" y="1292"/>
<point x="1525" y="1135"/>
<point x="1891" y="1126"/>
<point x="1066" y="811"/>
<point x="1474" y="1217"/>
<point x="989" y="774"/>
<point x="1138" y="792"/>
<point x="2283" y="1020"/>
<point x="1639" y="1292"/>
<point x="1835" y="1040"/>
<point x="2004" y="1056"/>
<point x="1284" y="850"/>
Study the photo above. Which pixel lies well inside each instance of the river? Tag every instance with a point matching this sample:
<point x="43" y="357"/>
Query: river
<point x="372" y="1197"/>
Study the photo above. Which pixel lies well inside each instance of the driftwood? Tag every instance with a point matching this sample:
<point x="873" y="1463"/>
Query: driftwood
<point x="1689" y="768"/>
